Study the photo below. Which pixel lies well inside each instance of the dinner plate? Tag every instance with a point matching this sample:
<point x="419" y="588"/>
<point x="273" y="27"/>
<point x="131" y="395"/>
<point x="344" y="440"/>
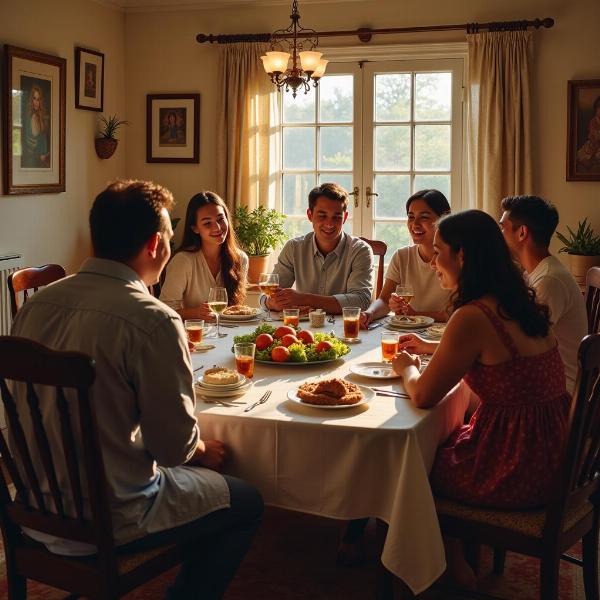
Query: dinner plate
<point x="410" y="322"/>
<point x="435" y="332"/>
<point x="256" y="314"/>
<point x="289" y="363"/>
<point x="210" y="393"/>
<point x="374" y="370"/>
<point x="368" y="394"/>
<point x="225" y="386"/>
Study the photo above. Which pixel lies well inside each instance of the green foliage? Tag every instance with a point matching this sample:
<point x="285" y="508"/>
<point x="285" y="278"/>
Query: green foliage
<point x="583" y="241"/>
<point x="110" y="126"/>
<point x="259" y="230"/>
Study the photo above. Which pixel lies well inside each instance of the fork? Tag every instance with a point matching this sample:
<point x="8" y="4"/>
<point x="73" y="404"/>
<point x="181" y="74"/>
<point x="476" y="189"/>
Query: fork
<point x="261" y="400"/>
<point x="331" y="319"/>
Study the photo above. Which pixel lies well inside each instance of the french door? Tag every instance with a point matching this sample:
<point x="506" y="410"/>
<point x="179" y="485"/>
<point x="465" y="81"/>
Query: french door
<point x="382" y="130"/>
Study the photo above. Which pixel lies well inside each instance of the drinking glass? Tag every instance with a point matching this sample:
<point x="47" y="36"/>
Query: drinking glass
<point x="406" y="292"/>
<point x="217" y="302"/>
<point x="291" y="317"/>
<point x="194" y="328"/>
<point x="244" y="358"/>
<point x="351" y="315"/>
<point x="268" y="284"/>
<point x="389" y="345"/>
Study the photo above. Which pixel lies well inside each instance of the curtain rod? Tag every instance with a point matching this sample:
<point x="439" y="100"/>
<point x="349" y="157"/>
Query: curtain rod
<point x="365" y="33"/>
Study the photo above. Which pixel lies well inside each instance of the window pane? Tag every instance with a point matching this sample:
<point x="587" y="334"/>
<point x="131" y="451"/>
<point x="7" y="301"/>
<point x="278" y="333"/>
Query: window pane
<point x="297" y="226"/>
<point x="298" y="147"/>
<point x="345" y="180"/>
<point x="432" y="147"/>
<point x="433" y="96"/>
<point x="395" y="235"/>
<point x="336" y="93"/>
<point x="335" y="148"/>
<point x="295" y="193"/>
<point x="392" y="97"/>
<point x="392" y="148"/>
<point x="300" y="109"/>
<point x="435" y="182"/>
<point x="393" y="191"/>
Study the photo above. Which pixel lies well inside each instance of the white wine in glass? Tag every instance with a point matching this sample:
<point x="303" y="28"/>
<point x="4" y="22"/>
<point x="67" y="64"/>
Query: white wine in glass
<point x="405" y="292"/>
<point x="268" y="284"/>
<point x="217" y="302"/>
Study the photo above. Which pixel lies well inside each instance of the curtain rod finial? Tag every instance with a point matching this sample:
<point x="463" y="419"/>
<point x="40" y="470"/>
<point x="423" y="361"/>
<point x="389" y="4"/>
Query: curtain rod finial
<point x="547" y="22"/>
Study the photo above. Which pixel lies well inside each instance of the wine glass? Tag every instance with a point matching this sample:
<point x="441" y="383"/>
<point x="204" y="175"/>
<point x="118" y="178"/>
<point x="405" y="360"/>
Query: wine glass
<point x="217" y="302"/>
<point x="406" y="292"/>
<point x="268" y="284"/>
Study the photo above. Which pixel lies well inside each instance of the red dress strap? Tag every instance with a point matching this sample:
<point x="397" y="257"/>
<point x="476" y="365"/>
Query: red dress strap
<point x="499" y="327"/>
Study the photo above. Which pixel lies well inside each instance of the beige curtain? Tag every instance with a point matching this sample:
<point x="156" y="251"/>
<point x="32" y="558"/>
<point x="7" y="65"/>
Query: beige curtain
<point x="245" y="138"/>
<point x="499" y="108"/>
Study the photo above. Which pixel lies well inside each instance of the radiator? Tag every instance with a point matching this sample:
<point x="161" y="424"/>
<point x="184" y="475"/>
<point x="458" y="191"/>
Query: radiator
<point x="8" y="264"/>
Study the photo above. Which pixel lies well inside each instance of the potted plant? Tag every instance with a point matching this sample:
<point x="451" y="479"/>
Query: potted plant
<point x="259" y="231"/>
<point x="106" y="144"/>
<point x="583" y="248"/>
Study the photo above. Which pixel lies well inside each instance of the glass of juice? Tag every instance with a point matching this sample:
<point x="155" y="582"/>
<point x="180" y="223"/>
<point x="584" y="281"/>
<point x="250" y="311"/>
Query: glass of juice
<point x="389" y="345"/>
<point x="351" y="316"/>
<point x="193" y="328"/>
<point x="268" y="284"/>
<point x="406" y="292"/>
<point x="291" y="317"/>
<point x="244" y="358"/>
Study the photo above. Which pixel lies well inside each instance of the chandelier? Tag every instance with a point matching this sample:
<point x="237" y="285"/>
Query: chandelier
<point x="301" y="43"/>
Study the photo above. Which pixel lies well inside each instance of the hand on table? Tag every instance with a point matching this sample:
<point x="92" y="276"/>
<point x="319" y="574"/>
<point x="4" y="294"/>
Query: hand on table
<point x="400" y="306"/>
<point x="415" y="344"/>
<point x="403" y="359"/>
<point x="285" y="298"/>
<point x="210" y="454"/>
<point x="365" y="319"/>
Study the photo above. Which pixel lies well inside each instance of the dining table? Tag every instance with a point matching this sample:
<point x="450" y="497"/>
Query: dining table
<point x="370" y="460"/>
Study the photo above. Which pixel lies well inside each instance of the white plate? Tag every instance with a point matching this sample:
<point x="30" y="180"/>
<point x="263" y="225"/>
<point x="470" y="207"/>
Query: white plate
<point x="210" y="393"/>
<point x="374" y="370"/>
<point x="416" y="322"/>
<point x="368" y="394"/>
<point x="257" y="312"/>
<point x="225" y="386"/>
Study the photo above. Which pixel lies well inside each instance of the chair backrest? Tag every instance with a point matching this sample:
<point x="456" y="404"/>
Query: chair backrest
<point x="28" y="363"/>
<point x="31" y="278"/>
<point x="580" y="474"/>
<point x="379" y="249"/>
<point x="592" y="299"/>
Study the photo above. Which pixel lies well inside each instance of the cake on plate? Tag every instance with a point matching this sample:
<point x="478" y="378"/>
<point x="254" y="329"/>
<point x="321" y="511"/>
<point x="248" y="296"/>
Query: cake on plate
<point x="330" y="392"/>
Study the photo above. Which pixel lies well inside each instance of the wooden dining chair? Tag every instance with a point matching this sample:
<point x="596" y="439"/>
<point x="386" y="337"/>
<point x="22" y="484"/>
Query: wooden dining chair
<point x="592" y="299"/>
<point x="574" y="513"/>
<point x="379" y="249"/>
<point x="31" y="278"/>
<point x="107" y="575"/>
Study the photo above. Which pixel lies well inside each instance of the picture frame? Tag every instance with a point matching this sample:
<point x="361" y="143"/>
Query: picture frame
<point x="89" y="79"/>
<point x="173" y="128"/>
<point x="583" y="130"/>
<point x="34" y="122"/>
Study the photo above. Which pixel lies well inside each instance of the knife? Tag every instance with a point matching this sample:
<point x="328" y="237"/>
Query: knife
<point x="375" y="325"/>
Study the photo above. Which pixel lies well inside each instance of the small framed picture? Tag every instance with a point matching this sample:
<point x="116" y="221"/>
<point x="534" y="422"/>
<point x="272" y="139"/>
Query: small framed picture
<point x="89" y="79"/>
<point x="583" y="131"/>
<point x="173" y="128"/>
<point x="34" y="122"/>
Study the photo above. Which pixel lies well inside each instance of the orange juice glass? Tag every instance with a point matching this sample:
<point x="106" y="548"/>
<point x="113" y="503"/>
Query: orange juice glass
<point x="351" y="316"/>
<point x="291" y="317"/>
<point x="389" y="345"/>
<point x="244" y="358"/>
<point x="193" y="328"/>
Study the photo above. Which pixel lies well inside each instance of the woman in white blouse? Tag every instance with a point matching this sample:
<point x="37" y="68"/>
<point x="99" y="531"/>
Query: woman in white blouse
<point x="209" y="256"/>
<point x="410" y="265"/>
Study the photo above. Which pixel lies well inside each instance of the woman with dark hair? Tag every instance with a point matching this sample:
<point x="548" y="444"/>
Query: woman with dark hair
<point x="499" y="341"/>
<point x="209" y="256"/>
<point x="410" y="265"/>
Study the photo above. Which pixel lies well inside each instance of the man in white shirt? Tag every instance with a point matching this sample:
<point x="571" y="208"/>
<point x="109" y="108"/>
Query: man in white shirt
<point x="528" y="223"/>
<point x="331" y="269"/>
<point x="162" y="477"/>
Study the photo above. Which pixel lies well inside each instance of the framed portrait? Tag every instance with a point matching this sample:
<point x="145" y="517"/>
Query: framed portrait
<point x="173" y="128"/>
<point x="89" y="79"/>
<point x="583" y="131"/>
<point x="34" y="122"/>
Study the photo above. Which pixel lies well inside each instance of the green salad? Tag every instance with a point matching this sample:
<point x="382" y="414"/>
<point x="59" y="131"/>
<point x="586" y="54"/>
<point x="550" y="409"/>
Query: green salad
<point x="286" y="344"/>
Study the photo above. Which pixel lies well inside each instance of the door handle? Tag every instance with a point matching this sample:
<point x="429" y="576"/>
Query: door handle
<point x="356" y="193"/>
<point x="369" y="193"/>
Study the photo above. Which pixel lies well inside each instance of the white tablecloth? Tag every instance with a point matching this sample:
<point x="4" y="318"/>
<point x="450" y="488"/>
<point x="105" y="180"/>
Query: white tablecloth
<point x="367" y="461"/>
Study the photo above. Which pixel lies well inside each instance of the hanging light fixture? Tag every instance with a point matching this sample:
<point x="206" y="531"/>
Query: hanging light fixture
<point x="297" y="38"/>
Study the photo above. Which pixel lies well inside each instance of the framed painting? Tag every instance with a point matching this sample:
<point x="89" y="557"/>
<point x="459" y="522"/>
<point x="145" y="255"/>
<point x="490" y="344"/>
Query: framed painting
<point x="173" y="128"/>
<point x="583" y="131"/>
<point x="89" y="79"/>
<point x="34" y="122"/>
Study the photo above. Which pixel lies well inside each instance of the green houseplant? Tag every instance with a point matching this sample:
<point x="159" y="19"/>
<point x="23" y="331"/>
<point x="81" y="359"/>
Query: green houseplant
<point x="106" y="143"/>
<point x="583" y="248"/>
<point x="259" y="231"/>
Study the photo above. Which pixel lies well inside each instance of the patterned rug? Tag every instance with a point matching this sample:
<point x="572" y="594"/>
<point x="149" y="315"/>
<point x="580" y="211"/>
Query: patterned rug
<point x="293" y="558"/>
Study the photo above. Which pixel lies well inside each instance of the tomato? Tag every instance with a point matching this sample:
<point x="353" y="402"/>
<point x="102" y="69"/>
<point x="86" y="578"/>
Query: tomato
<point x="264" y="340"/>
<point x="280" y="354"/>
<point x="283" y="330"/>
<point x="324" y="346"/>
<point x="306" y="336"/>
<point x="289" y="339"/>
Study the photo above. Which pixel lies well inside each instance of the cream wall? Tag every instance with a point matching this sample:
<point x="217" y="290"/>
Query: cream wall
<point x="53" y="227"/>
<point x="163" y="56"/>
